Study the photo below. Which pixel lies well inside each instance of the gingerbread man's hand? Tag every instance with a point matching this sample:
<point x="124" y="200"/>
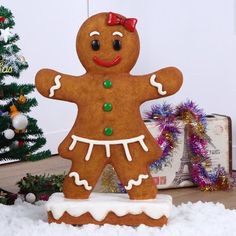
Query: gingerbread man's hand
<point x="53" y="84"/>
<point x="161" y="83"/>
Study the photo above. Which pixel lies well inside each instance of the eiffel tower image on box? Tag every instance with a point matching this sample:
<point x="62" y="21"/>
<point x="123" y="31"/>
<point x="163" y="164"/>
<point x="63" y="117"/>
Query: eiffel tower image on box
<point x="183" y="173"/>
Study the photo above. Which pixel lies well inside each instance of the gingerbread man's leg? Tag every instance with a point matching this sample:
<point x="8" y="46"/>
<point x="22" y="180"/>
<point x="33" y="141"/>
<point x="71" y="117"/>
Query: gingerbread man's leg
<point x="135" y="175"/>
<point x="83" y="175"/>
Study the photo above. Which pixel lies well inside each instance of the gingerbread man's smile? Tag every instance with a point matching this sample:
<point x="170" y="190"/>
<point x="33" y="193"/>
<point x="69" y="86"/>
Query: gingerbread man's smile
<point x="101" y="62"/>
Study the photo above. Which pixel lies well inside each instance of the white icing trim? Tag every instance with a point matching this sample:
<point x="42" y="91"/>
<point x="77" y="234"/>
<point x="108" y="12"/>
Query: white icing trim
<point x="136" y="182"/>
<point x="89" y="152"/>
<point x="72" y="146"/>
<point x="94" y="33"/>
<point x="108" y="151"/>
<point x="56" y="86"/>
<point x="145" y="148"/>
<point x="80" y="182"/>
<point x="159" y="86"/>
<point x="117" y="33"/>
<point x="107" y="144"/>
<point x="100" y="204"/>
<point x="127" y="153"/>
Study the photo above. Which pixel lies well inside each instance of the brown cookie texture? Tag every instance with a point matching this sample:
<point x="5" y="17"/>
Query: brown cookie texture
<point x="109" y="128"/>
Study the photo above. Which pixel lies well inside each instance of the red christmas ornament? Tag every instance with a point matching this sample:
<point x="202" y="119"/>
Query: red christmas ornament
<point x="2" y="19"/>
<point x="20" y="143"/>
<point x="44" y="197"/>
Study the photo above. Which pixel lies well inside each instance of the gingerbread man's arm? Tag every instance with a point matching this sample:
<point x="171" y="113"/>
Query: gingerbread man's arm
<point x="161" y="83"/>
<point x="53" y="84"/>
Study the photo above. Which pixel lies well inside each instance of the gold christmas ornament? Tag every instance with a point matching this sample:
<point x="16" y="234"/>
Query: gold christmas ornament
<point x="22" y="99"/>
<point x="13" y="111"/>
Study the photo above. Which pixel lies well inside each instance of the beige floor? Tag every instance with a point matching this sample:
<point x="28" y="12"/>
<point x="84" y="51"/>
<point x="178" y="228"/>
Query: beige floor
<point x="11" y="173"/>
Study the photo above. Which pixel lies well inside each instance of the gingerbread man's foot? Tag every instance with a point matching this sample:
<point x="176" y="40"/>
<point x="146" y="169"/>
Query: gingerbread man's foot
<point x="72" y="190"/>
<point x="141" y="188"/>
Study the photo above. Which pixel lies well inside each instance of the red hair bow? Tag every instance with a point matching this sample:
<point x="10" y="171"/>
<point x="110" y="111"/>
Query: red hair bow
<point x="116" y="19"/>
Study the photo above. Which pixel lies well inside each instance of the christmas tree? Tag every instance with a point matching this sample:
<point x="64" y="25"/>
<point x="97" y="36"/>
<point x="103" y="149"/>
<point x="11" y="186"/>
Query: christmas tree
<point x="20" y="137"/>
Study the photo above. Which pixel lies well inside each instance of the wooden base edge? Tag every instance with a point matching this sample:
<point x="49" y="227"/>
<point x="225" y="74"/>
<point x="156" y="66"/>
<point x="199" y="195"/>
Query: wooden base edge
<point x="111" y="218"/>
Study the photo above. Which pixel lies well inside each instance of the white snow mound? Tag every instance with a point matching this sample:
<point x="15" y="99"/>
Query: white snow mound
<point x="204" y="219"/>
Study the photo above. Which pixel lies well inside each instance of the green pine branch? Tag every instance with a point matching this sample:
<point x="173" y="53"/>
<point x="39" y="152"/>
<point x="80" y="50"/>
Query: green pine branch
<point x="25" y="152"/>
<point x="39" y="156"/>
<point x="4" y="123"/>
<point x="24" y="108"/>
<point x="14" y="90"/>
<point x="11" y="40"/>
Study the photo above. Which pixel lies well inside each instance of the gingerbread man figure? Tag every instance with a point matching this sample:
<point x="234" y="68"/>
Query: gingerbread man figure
<point x="109" y="127"/>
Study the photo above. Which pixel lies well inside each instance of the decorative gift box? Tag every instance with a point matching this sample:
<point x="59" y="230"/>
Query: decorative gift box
<point x="175" y="172"/>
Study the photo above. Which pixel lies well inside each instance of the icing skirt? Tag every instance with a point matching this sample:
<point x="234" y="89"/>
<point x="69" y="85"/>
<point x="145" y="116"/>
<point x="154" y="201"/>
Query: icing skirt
<point x="107" y="143"/>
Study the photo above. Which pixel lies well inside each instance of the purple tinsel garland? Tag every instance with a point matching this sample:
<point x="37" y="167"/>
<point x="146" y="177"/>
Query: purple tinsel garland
<point x="166" y="117"/>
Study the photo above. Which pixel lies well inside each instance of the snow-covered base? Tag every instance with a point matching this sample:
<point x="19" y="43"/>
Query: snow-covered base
<point x="100" y="204"/>
<point x="189" y="219"/>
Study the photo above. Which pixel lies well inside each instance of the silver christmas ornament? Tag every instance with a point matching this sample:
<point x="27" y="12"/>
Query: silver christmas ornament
<point x="9" y="134"/>
<point x="19" y="121"/>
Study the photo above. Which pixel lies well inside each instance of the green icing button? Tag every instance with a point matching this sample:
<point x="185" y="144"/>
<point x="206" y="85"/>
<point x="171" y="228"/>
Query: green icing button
<point x="108" y="131"/>
<point x="107" y="84"/>
<point x="107" y="106"/>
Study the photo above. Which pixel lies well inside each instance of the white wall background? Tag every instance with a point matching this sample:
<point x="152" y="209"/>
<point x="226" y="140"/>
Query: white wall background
<point x="199" y="37"/>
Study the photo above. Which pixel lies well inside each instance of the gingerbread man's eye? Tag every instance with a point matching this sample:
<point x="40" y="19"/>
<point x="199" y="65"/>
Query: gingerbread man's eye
<point x="95" y="45"/>
<point x="117" y="45"/>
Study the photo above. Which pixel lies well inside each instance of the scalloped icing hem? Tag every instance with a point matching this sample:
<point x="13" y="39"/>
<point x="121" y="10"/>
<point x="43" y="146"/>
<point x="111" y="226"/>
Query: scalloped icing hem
<point x="109" y="208"/>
